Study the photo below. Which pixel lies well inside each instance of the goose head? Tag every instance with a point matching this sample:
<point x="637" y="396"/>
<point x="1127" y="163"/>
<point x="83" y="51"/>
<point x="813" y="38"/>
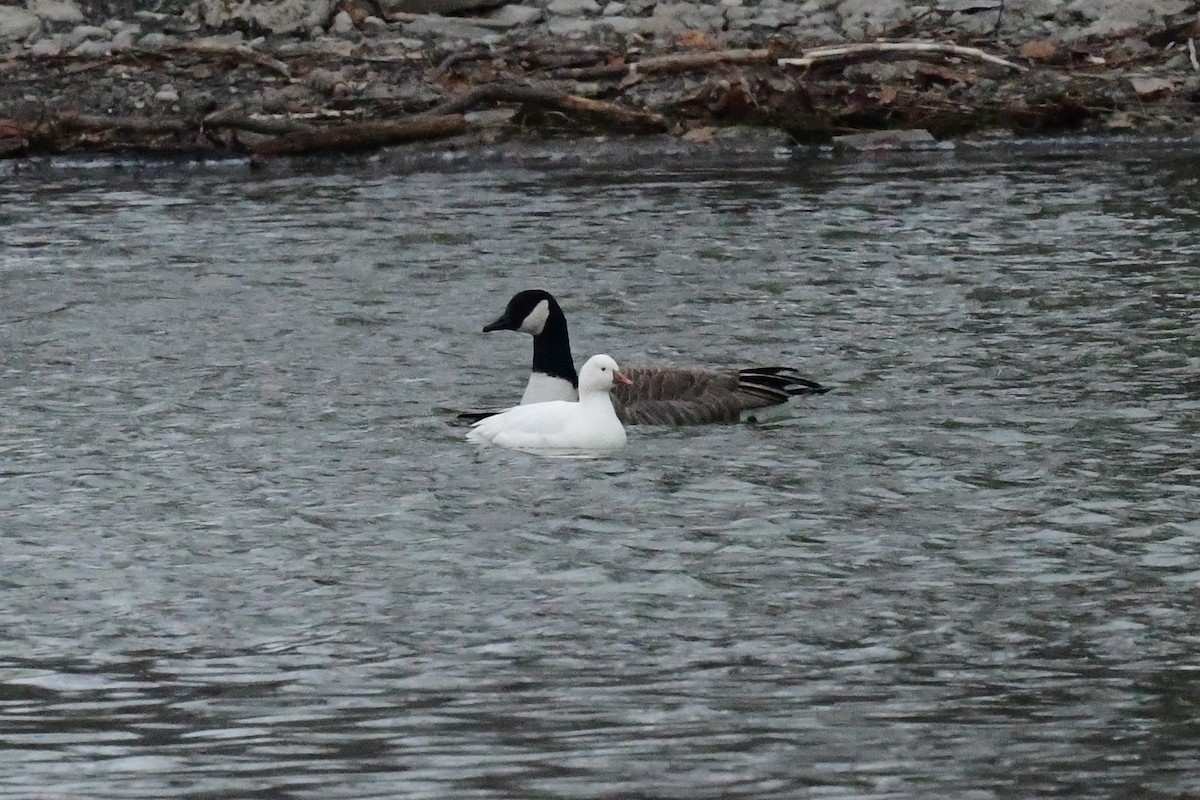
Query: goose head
<point x="527" y="312"/>
<point x="600" y="374"/>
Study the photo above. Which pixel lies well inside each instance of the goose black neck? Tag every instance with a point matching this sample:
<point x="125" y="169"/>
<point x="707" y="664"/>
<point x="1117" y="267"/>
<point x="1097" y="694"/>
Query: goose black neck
<point x="552" y="348"/>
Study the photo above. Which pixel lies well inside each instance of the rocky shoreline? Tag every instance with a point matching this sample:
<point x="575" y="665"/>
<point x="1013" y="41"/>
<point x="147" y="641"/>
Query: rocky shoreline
<point x="220" y="78"/>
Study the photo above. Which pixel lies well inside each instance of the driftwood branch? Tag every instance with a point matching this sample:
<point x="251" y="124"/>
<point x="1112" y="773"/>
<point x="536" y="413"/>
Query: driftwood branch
<point x="849" y="51"/>
<point x="689" y="61"/>
<point x="550" y="97"/>
<point x="478" y="22"/>
<point x="244" y="52"/>
<point x="680" y="62"/>
<point x="98" y="123"/>
<point x="236" y="118"/>
<point x="364" y="135"/>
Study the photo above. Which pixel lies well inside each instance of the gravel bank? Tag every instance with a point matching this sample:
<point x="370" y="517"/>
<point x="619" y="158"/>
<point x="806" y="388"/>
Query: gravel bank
<point x="221" y="77"/>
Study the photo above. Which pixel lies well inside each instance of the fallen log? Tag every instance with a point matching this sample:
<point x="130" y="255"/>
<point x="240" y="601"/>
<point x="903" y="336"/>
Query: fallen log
<point x="236" y="118"/>
<point x="610" y="114"/>
<point x="850" y="51"/>
<point x="98" y="123"/>
<point x="363" y="135"/>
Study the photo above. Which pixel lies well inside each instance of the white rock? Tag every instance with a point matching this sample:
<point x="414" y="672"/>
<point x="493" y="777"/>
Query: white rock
<point x="374" y="25"/>
<point x="1117" y="16"/>
<point x="570" y="26"/>
<point x="573" y="8"/>
<point x="863" y="19"/>
<point x="17" y="23"/>
<point x="81" y="33"/>
<point x="514" y="16"/>
<point x="449" y="28"/>
<point x="123" y="40"/>
<point x="623" y="25"/>
<point x="167" y="94"/>
<point x="50" y="46"/>
<point x="614" y="9"/>
<point x="284" y="16"/>
<point x="66" y="11"/>
<point x="93" y="47"/>
<point x="156" y="40"/>
<point x="343" y="24"/>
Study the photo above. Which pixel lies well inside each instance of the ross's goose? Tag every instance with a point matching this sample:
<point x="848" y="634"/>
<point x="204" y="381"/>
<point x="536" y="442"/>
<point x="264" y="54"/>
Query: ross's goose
<point x="562" y="427"/>
<point x="658" y="395"/>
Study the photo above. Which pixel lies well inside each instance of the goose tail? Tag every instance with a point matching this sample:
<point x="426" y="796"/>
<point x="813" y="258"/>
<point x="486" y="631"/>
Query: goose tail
<point x="777" y="384"/>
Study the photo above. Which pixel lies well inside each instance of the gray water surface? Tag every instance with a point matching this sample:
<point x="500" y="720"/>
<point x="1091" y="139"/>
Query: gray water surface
<point x="242" y="554"/>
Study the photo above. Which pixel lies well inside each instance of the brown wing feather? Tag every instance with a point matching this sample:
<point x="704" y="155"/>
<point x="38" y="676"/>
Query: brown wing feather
<point x="672" y="396"/>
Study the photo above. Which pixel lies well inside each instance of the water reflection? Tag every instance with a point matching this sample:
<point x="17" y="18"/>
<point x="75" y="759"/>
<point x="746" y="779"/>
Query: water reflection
<point x="243" y="555"/>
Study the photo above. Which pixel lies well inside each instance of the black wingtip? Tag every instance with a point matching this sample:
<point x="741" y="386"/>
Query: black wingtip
<point x="780" y="379"/>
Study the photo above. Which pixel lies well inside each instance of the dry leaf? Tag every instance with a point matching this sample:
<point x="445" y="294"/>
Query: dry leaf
<point x="699" y="135"/>
<point x="698" y="40"/>
<point x="1041" y="50"/>
<point x="887" y="95"/>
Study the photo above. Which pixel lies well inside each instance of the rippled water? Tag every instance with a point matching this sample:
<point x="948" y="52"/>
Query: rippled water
<point x="244" y="556"/>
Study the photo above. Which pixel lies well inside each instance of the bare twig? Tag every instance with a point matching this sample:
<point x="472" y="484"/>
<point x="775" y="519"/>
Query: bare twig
<point x="551" y="97"/>
<point x="1192" y="54"/>
<point x="688" y="61"/>
<point x="236" y="118"/>
<point x="818" y="54"/>
<point x="479" y="22"/>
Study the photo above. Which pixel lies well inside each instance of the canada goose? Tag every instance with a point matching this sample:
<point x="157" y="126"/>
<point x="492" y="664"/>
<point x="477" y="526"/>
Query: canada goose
<point x="658" y="395"/>
<point x="561" y="427"/>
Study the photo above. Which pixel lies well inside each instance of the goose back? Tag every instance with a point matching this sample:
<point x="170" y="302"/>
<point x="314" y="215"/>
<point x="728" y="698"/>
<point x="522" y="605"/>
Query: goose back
<point x="658" y="395"/>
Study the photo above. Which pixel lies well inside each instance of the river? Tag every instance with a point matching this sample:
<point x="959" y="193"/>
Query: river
<point x="244" y="554"/>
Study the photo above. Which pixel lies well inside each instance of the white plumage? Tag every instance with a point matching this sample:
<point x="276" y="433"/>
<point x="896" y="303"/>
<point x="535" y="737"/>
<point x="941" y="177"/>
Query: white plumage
<point x="562" y="427"/>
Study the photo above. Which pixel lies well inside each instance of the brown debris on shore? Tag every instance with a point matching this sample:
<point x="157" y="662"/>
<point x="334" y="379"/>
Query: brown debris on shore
<point x="246" y="100"/>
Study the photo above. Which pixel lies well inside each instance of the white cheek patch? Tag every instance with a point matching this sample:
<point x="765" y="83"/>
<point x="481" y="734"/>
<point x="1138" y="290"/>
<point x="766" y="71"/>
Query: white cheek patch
<point x="535" y="320"/>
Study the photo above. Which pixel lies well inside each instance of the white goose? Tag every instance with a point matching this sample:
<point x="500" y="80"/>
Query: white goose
<point x="657" y="395"/>
<point x="562" y="427"/>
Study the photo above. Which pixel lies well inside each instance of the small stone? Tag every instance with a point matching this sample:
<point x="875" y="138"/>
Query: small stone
<point x="50" y="46"/>
<point x="167" y="94"/>
<point x="449" y="28"/>
<point x="573" y="8"/>
<point x="374" y="25"/>
<point x="17" y="24"/>
<point x="157" y="41"/>
<point x="82" y="33"/>
<point x="151" y="17"/>
<point x="324" y="80"/>
<point x="1151" y="87"/>
<point x="614" y="9"/>
<point x="123" y="40"/>
<point x="1120" y="121"/>
<point x="863" y="19"/>
<point x="217" y="42"/>
<point x="515" y="16"/>
<point x="92" y="48"/>
<point x="568" y="26"/>
<point x="622" y="25"/>
<point x="490" y="117"/>
<point x="343" y="24"/>
<point x="62" y="11"/>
